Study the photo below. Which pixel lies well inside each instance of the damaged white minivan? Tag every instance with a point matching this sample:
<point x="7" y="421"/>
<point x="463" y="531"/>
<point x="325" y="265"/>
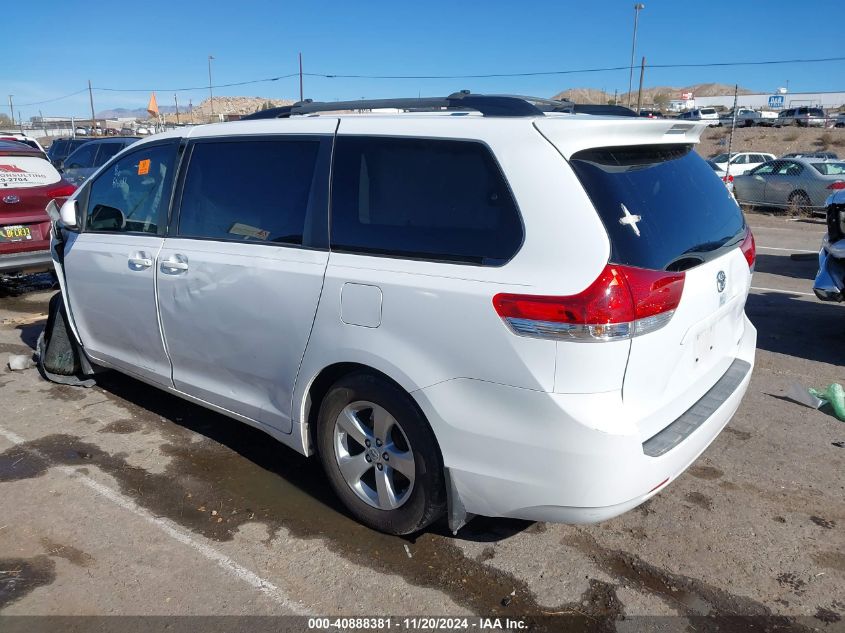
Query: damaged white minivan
<point x="474" y="305"/>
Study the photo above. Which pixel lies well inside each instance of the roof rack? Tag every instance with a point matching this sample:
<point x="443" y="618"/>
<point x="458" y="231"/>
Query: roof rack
<point x="487" y="105"/>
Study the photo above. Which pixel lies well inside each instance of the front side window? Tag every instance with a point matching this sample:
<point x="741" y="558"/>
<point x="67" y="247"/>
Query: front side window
<point x="133" y="194"/>
<point x="789" y="169"/>
<point x="252" y="191"/>
<point x="439" y="200"/>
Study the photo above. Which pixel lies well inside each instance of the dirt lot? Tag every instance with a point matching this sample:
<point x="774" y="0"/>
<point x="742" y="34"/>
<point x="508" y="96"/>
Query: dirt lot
<point x="777" y="141"/>
<point x="121" y="500"/>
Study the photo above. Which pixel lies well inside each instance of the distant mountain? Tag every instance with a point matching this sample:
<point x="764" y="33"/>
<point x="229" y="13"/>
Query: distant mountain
<point x="137" y="113"/>
<point x="592" y="95"/>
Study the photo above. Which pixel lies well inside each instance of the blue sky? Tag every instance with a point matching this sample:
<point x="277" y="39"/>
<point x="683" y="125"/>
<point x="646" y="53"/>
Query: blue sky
<point x="129" y="47"/>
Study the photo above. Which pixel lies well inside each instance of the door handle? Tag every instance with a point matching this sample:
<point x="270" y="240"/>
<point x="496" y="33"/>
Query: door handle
<point x="175" y="264"/>
<point x="140" y="261"/>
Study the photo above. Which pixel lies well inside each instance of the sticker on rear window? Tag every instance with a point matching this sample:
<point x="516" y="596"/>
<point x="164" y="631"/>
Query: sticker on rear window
<point x="144" y="167"/>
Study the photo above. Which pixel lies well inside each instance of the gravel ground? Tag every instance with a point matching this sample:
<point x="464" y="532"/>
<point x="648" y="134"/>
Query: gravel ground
<point x="122" y="500"/>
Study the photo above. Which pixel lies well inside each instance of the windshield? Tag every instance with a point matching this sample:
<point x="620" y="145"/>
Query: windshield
<point x="662" y="206"/>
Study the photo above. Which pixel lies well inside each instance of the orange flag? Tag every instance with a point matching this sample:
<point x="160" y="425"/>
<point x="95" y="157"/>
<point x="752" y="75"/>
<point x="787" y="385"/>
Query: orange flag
<point x="152" y="106"/>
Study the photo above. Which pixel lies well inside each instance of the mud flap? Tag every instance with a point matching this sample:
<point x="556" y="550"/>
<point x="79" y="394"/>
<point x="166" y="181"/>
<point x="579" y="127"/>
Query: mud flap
<point x="60" y="358"/>
<point x="457" y="514"/>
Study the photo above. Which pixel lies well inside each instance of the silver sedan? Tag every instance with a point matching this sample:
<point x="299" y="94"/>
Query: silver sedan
<point x="797" y="183"/>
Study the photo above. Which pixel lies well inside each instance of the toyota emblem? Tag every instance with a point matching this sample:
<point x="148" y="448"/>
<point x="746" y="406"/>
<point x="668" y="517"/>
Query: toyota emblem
<point x="721" y="280"/>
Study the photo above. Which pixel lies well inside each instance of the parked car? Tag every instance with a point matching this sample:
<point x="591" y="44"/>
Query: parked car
<point x="61" y="148"/>
<point x="726" y="178"/>
<point x="839" y="121"/>
<point x="85" y="160"/>
<point x="28" y="182"/>
<point x="829" y="284"/>
<point x="746" y="117"/>
<point x="742" y="162"/>
<point x="702" y="114"/>
<point x="803" y="116"/>
<point x="819" y="155"/>
<point x="800" y="183"/>
<point x="22" y="138"/>
<point x="455" y="326"/>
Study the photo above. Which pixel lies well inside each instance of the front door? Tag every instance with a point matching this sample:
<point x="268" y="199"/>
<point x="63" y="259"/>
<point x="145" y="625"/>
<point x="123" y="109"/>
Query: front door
<point x="110" y="265"/>
<point x="241" y="274"/>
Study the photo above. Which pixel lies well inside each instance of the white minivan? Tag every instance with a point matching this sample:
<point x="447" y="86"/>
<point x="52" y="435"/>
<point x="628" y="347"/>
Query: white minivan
<point x="479" y="306"/>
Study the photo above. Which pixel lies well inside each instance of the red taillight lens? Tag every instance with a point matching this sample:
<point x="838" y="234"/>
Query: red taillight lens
<point x="62" y="190"/>
<point x="622" y="302"/>
<point x="839" y="184"/>
<point x="749" y="249"/>
<point x="728" y="178"/>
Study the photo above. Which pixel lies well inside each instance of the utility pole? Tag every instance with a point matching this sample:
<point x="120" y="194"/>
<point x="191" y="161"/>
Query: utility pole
<point x="300" y="77"/>
<point x="176" y="101"/>
<point x="12" y="109"/>
<point x="616" y="96"/>
<point x="210" y="93"/>
<point x="731" y="138"/>
<point x="93" y="117"/>
<point x="640" y="93"/>
<point x="637" y="8"/>
<point x="191" y="110"/>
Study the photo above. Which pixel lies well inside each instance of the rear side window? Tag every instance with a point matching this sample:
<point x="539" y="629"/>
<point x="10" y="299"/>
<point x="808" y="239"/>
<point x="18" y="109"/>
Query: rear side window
<point x="82" y="157"/>
<point x="251" y="191"/>
<point x="441" y="200"/>
<point x="662" y="206"/>
<point x="107" y="151"/>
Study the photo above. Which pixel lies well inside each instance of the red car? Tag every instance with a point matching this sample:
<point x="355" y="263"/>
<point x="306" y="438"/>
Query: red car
<point x="28" y="182"/>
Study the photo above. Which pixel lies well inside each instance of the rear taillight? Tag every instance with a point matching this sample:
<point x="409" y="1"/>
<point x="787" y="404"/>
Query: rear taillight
<point x="623" y="302"/>
<point x="839" y="184"/>
<point x="62" y="190"/>
<point x="728" y="178"/>
<point x="749" y="249"/>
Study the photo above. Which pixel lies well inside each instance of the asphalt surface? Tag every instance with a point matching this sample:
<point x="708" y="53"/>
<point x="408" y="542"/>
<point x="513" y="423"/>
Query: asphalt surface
<point x="123" y="500"/>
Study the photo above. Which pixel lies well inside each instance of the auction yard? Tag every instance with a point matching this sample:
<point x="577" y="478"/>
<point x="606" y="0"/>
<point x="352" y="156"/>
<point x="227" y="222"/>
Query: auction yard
<point x="122" y="500"/>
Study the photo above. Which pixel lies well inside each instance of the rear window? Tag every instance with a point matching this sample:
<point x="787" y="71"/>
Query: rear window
<point x="708" y="111"/>
<point x="662" y="205"/>
<point x="830" y="169"/>
<point x="26" y="171"/>
<point x="440" y="200"/>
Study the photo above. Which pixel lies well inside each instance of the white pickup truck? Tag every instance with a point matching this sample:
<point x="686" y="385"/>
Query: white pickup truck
<point x="745" y="117"/>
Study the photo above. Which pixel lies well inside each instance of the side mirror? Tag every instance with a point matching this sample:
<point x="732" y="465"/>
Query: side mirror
<point x="67" y="214"/>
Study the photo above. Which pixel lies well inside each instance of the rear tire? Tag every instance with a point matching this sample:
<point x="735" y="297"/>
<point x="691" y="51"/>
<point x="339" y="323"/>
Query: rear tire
<point x="799" y="203"/>
<point x="371" y="425"/>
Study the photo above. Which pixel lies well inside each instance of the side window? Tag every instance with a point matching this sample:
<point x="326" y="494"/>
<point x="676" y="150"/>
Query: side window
<point x="420" y="198"/>
<point x="107" y="151"/>
<point x="742" y="159"/>
<point x="762" y="170"/>
<point x="132" y="195"/>
<point x="251" y="191"/>
<point x="82" y="157"/>
<point x="789" y="168"/>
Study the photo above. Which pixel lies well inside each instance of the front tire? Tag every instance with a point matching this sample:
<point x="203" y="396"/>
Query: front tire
<point x="380" y="455"/>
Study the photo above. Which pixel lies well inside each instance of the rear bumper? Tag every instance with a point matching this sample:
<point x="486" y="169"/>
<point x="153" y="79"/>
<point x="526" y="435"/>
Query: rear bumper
<point x="571" y="458"/>
<point x="26" y="261"/>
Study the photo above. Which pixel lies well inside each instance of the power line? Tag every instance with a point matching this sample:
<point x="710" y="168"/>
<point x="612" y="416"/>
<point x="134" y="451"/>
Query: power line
<point x="205" y="87"/>
<point x="475" y="76"/>
<point x="72" y="94"/>
<point x="583" y="70"/>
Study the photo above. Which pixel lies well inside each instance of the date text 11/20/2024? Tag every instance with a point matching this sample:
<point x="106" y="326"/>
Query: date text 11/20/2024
<point x="417" y="624"/>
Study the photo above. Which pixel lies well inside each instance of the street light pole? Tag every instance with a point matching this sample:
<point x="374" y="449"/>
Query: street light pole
<point x="210" y="93"/>
<point x="637" y="8"/>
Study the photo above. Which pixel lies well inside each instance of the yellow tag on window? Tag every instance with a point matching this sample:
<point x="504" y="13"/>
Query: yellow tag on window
<point x="144" y="167"/>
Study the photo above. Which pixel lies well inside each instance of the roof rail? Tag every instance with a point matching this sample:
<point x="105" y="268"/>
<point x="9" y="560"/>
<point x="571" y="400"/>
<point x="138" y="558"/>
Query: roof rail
<point x="488" y="105"/>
